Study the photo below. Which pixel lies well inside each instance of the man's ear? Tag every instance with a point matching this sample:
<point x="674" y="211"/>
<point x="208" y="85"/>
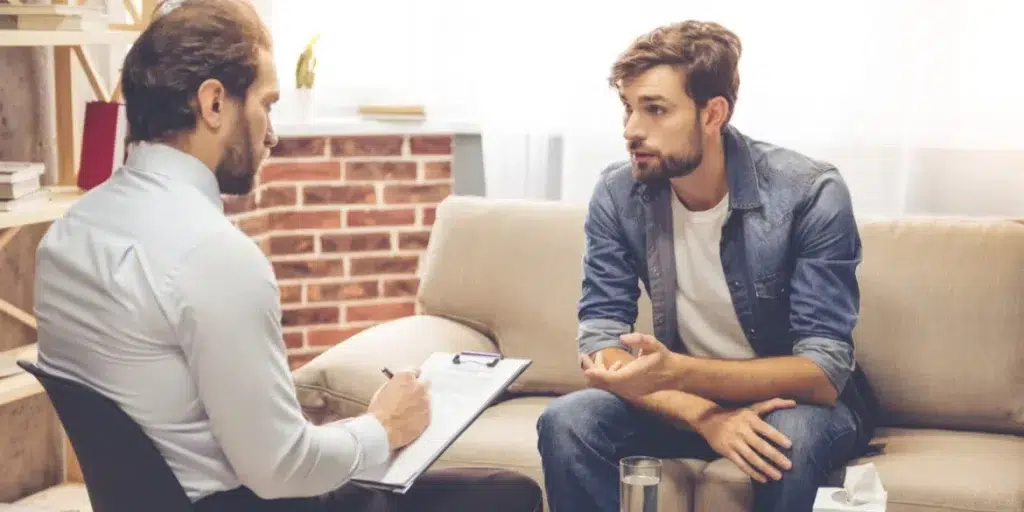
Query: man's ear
<point x="715" y="114"/>
<point x="211" y="100"/>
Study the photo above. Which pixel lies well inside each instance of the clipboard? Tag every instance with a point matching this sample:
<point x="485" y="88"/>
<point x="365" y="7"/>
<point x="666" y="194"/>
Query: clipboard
<point x="462" y="386"/>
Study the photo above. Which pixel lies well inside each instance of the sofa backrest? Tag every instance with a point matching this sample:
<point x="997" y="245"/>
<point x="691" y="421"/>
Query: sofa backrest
<point x="941" y="335"/>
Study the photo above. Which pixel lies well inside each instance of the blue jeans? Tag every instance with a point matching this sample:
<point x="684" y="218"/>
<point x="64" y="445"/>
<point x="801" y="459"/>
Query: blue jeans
<point x="584" y="434"/>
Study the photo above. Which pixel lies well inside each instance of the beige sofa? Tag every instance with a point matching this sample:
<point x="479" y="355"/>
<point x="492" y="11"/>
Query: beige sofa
<point x="941" y="338"/>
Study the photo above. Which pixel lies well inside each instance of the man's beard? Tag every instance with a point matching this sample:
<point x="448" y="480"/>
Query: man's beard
<point x="668" y="167"/>
<point x="237" y="170"/>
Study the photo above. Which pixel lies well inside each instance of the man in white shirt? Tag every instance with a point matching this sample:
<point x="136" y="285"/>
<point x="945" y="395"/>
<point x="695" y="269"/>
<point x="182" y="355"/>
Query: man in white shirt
<point x="146" y="292"/>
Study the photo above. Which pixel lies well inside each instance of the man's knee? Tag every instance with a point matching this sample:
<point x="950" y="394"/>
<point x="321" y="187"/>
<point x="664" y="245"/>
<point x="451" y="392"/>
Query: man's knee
<point x="816" y="433"/>
<point x="577" y="417"/>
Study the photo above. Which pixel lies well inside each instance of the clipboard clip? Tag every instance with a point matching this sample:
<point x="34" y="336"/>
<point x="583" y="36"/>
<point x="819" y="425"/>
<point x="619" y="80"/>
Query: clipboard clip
<point x="495" y="358"/>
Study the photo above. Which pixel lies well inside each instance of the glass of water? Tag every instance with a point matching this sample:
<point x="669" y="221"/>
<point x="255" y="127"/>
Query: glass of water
<point x="639" y="479"/>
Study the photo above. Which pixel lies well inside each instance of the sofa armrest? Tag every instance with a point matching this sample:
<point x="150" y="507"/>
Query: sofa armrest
<point x="340" y="382"/>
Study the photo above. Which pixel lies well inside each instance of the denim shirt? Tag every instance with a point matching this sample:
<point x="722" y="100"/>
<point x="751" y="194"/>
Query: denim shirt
<point x="790" y="248"/>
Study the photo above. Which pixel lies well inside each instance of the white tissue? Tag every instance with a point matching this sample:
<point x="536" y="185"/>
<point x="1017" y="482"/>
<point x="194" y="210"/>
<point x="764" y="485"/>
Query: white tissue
<point x="862" y="491"/>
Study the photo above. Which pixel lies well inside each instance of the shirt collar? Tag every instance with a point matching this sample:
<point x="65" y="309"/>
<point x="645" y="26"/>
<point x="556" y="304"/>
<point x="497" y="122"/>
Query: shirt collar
<point x="175" y="165"/>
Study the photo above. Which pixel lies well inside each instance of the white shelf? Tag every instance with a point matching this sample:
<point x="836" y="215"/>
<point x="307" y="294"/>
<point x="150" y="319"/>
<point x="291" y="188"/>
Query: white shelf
<point x="60" y="199"/>
<point x="15" y="37"/>
<point x="21" y="385"/>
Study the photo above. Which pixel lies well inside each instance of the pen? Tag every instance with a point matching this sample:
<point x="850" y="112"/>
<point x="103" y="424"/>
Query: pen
<point x="387" y="373"/>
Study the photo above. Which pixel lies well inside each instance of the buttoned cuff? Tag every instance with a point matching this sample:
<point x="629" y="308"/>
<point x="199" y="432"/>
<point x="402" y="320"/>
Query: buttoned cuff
<point x="372" y="439"/>
<point x="835" y="358"/>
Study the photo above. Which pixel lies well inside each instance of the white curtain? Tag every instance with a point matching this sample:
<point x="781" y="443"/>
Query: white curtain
<point x="917" y="101"/>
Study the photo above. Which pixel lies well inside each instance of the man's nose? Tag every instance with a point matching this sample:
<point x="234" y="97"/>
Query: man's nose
<point x="632" y="131"/>
<point x="271" y="139"/>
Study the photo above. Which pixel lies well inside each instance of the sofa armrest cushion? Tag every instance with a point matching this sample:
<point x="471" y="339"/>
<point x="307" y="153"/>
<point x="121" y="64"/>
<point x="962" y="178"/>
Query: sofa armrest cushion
<point x="340" y="382"/>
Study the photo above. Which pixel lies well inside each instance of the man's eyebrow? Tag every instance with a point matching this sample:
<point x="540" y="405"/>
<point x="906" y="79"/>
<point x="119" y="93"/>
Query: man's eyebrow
<point x="653" y="98"/>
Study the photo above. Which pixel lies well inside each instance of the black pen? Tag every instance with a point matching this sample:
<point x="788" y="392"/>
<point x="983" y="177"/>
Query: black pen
<point x="387" y="373"/>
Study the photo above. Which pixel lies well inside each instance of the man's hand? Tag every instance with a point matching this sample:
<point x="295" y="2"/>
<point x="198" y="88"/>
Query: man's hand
<point x="403" y="407"/>
<point x="653" y="369"/>
<point x="743" y="437"/>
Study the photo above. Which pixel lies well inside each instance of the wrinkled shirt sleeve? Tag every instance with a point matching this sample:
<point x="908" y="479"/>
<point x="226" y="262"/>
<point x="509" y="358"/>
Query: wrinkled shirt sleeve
<point x="608" y="306"/>
<point x="825" y="297"/>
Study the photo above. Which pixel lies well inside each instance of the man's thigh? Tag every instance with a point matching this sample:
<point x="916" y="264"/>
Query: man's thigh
<point x="609" y="424"/>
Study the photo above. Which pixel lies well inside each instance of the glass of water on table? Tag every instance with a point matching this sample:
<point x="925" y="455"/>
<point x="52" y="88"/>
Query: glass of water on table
<point x="639" y="479"/>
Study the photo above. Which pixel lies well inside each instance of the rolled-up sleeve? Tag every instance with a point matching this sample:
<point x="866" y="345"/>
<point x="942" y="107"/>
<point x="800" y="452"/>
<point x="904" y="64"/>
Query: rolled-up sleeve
<point x="825" y="298"/>
<point x="608" y="305"/>
<point x="228" y="316"/>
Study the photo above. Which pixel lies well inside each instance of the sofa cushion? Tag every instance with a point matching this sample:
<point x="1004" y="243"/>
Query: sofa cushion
<point x="922" y="470"/>
<point x="941" y="335"/>
<point x="505" y="436"/>
<point x="513" y="269"/>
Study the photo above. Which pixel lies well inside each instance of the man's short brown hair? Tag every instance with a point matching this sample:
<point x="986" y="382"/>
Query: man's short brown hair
<point x="706" y="52"/>
<point x="188" y="42"/>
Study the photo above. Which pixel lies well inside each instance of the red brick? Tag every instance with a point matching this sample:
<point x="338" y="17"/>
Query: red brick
<point x="304" y="220"/>
<point x="405" y="194"/>
<point x="296" y="361"/>
<point x="310" y="315"/>
<point x="309" y="268"/>
<point x="401" y="287"/>
<point x="414" y="241"/>
<point x="291" y="244"/>
<point x="300" y="171"/>
<point x="379" y="312"/>
<point x="384" y="265"/>
<point x="437" y="170"/>
<point x="340" y="194"/>
<point x="405" y="217"/>
<point x="256" y="224"/>
<point x="429" y="216"/>
<point x="331" y="337"/>
<point x="380" y="171"/>
<point x="294" y="339"/>
<point x="367" y="145"/>
<point x="299" y="146"/>
<point x="280" y="195"/>
<point x="238" y="204"/>
<point x="290" y="293"/>
<point x="355" y="242"/>
<point x="335" y="292"/>
<point x="430" y="145"/>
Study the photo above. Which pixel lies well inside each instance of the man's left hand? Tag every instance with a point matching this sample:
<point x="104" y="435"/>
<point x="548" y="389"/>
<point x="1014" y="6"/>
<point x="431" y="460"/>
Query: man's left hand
<point x="654" y="369"/>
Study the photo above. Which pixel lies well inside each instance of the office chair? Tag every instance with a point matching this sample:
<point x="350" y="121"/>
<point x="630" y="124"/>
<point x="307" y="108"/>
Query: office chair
<point x="122" y="468"/>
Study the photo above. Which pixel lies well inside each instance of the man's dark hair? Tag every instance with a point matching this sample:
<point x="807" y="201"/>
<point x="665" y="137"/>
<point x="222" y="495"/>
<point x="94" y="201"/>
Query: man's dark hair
<point x="188" y="42"/>
<point x="706" y="52"/>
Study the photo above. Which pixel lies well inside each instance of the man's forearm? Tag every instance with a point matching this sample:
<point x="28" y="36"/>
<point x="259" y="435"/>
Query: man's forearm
<point x="755" y="380"/>
<point x="683" y="409"/>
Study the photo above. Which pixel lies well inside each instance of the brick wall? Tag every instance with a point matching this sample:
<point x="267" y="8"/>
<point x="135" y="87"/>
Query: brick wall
<point x="344" y="220"/>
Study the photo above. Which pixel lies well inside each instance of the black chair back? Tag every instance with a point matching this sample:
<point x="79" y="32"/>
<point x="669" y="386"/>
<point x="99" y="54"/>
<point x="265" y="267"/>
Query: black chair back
<point x="122" y="468"/>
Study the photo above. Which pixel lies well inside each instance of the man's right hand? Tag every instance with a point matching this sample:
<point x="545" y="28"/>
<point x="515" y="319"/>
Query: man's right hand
<point x="403" y="407"/>
<point x="742" y="436"/>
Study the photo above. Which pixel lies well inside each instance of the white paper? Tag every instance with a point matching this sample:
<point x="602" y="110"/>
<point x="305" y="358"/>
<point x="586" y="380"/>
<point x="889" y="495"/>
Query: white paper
<point x="862" y="491"/>
<point x="458" y="393"/>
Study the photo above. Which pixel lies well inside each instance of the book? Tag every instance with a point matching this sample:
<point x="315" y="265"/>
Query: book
<point x="462" y="386"/>
<point x="17" y="188"/>
<point x="30" y="200"/>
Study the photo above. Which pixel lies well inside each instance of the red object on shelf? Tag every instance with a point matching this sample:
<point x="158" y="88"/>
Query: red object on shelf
<point x="100" y="145"/>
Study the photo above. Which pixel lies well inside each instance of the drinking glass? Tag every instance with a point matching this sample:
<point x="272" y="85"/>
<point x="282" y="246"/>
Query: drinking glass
<point x="639" y="479"/>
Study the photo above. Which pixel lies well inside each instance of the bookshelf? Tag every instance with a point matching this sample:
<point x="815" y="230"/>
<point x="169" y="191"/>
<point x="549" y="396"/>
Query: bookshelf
<point x="14" y="37"/>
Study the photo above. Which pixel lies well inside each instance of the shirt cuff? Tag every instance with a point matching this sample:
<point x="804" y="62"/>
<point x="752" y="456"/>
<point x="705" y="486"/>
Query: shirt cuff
<point x="372" y="438"/>
<point x="599" y="333"/>
<point x="835" y="358"/>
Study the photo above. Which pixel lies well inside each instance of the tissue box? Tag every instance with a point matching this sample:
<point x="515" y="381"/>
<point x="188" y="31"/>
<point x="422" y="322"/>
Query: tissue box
<point x="833" y="499"/>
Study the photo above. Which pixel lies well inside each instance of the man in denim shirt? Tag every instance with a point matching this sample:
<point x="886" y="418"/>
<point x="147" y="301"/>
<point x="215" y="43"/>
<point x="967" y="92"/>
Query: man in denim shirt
<point x="748" y="252"/>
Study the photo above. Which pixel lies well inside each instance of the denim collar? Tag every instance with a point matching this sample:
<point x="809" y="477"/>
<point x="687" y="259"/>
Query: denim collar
<point x="175" y="165"/>
<point x="739" y="171"/>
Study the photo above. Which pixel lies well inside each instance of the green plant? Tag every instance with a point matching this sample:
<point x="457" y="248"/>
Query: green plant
<point x="305" y="69"/>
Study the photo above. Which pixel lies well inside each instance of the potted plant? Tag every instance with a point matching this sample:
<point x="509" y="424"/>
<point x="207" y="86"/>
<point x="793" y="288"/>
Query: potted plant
<point x="305" y="75"/>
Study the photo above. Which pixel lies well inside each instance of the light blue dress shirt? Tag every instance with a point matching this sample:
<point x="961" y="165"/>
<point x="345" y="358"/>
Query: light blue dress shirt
<point x="146" y="292"/>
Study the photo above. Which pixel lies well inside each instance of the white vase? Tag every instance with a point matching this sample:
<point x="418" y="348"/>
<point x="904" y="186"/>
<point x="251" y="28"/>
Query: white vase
<point x="305" y="105"/>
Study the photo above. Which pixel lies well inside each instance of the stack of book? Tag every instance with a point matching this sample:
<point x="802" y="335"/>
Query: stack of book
<point x="20" y="185"/>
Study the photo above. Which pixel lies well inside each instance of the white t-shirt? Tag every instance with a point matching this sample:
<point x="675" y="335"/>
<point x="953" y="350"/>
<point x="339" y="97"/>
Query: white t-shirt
<point x="707" y="319"/>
